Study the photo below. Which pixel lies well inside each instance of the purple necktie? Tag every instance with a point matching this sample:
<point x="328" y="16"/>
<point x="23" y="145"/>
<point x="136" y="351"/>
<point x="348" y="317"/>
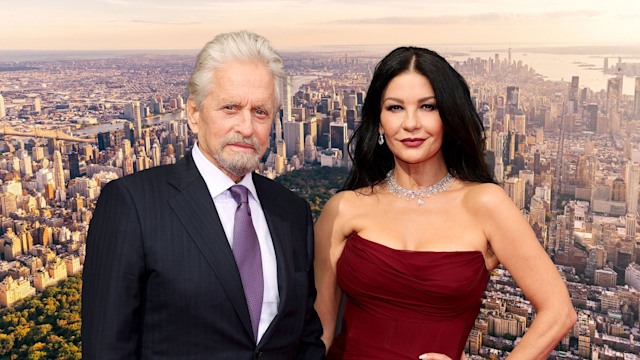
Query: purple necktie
<point x="246" y="250"/>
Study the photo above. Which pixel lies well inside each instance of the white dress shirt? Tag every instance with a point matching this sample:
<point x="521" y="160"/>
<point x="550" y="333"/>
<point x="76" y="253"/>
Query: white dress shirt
<point x="218" y="184"/>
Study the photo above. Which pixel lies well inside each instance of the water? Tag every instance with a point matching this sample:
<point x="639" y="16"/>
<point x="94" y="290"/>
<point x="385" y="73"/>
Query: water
<point x="556" y="67"/>
<point x="9" y="56"/>
<point x="159" y="119"/>
<point x="553" y="63"/>
<point x="299" y="80"/>
<point x="118" y="124"/>
<point x="561" y="67"/>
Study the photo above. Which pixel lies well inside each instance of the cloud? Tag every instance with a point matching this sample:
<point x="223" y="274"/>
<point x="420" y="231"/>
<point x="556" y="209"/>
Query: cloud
<point x="158" y="22"/>
<point x="628" y="16"/>
<point x="456" y="19"/>
<point x="569" y="14"/>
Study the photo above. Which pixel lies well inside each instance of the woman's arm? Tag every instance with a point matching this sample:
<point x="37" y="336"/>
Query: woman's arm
<point x="515" y="245"/>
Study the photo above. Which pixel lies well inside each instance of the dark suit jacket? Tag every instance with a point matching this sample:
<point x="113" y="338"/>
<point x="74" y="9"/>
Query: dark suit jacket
<point x="160" y="280"/>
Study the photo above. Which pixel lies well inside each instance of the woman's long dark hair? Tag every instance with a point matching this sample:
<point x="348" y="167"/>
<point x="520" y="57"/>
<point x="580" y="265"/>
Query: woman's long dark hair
<point x="463" y="142"/>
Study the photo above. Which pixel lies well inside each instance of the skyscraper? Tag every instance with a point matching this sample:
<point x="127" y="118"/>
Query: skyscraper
<point x="573" y="93"/>
<point x="513" y="96"/>
<point x="311" y="128"/>
<point x="127" y="165"/>
<point x="618" y="190"/>
<point x="43" y="177"/>
<point x="632" y="175"/>
<point x="74" y="165"/>
<point x="37" y="153"/>
<point x="350" y="99"/>
<point x="293" y="137"/>
<point x="3" y="109"/>
<point x="52" y="145"/>
<point x="26" y="166"/>
<point x="281" y="150"/>
<point x="126" y="147"/>
<point x="591" y="117"/>
<point x="613" y="94"/>
<point x="58" y="171"/>
<point x="360" y="97"/>
<point x="136" y="118"/>
<point x="630" y="226"/>
<point x="614" y="90"/>
<point x="128" y="111"/>
<point x="520" y="122"/>
<point x="158" y="106"/>
<point x="338" y="136"/>
<point x="277" y="129"/>
<point x="37" y="104"/>
<point x="286" y="100"/>
<point x="636" y="99"/>
<point x="351" y="119"/>
<point x="127" y="133"/>
<point x="104" y="140"/>
<point x="324" y="105"/>
<point x="155" y="154"/>
<point x="514" y="187"/>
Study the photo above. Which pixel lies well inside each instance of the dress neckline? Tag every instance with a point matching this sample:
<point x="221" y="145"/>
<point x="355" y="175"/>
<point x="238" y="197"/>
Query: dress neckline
<point x="373" y="243"/>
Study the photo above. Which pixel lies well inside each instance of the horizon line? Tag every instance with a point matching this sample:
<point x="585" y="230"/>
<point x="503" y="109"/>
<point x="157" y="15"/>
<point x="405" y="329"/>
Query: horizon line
<point x="320" y="46"/>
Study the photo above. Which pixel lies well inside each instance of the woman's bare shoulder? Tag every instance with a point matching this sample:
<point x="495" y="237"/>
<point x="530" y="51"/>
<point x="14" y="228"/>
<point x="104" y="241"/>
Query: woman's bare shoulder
<point x="348" y="202"/>
<point x="484" y="196"/>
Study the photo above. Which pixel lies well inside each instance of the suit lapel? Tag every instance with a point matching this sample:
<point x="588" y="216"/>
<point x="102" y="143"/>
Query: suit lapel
<point x="280" y="230"/>
<point x="195" y="209"/>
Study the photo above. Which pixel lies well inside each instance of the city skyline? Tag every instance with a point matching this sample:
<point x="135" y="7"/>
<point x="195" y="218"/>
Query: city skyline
<point x="566" y="153"/>
<point x="307" y="24"/>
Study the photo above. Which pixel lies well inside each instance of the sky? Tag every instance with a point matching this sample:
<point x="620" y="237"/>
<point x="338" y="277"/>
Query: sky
<point x="308" y="24"/>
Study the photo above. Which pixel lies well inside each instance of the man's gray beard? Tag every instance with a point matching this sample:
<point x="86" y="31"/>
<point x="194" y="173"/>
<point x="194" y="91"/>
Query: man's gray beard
<point x="238" y="163"/>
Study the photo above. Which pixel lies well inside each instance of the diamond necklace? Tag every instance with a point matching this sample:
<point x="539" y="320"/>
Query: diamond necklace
<point x="427" y="192"/>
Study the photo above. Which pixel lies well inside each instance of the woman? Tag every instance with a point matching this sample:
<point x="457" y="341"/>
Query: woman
<point x="412" y="239"/>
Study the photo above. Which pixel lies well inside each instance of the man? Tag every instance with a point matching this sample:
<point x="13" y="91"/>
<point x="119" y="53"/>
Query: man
<point x="179" y="264"/>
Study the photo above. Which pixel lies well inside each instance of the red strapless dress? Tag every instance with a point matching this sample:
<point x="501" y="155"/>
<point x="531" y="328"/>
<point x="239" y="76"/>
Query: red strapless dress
<point x="401" y="304"/>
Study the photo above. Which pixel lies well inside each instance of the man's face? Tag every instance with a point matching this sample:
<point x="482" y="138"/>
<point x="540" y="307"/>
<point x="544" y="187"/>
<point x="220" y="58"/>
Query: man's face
<point x="234" y="122"/>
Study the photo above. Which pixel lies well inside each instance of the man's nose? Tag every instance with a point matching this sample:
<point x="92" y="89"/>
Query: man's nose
<point x="245" y="123"/>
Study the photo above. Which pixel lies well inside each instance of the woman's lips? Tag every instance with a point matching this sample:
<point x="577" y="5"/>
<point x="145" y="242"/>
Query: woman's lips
<point x="412" y="142"/>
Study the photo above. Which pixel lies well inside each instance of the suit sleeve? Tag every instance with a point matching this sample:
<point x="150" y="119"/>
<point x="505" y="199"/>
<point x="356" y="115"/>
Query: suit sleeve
<point x="311" y="346"/>
<point x="113" y="278"/>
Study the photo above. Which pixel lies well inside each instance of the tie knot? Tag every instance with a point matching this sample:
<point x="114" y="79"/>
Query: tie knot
<point x="240" y="194"/>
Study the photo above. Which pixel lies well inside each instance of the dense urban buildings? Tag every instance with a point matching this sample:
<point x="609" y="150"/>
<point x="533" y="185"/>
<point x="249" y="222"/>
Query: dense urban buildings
<point x="568" y="156"/>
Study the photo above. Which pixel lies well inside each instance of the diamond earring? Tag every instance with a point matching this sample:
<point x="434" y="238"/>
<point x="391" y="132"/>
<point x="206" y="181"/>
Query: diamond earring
<point x="381" y="139"/>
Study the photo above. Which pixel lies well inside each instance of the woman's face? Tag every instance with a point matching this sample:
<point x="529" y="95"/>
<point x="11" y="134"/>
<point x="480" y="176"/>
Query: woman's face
<point x="410" y="121"/>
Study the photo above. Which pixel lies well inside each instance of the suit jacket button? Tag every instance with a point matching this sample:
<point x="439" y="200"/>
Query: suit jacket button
<point x="258" y="354"/>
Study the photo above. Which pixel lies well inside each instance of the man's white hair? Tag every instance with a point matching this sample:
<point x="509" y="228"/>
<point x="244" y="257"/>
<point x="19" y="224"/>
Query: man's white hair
<point x="240" y="46"/>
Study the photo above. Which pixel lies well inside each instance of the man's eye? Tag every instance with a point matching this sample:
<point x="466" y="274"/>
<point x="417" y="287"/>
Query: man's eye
<point x="262" y="113"/>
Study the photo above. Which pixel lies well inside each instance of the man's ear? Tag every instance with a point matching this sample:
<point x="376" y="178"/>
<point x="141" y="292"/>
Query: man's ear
<point x="193" y="115"/>
<point x="276" y="111"/>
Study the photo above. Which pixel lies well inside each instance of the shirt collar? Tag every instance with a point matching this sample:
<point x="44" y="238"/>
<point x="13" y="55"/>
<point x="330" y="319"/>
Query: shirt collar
<point x="217" y="181"/>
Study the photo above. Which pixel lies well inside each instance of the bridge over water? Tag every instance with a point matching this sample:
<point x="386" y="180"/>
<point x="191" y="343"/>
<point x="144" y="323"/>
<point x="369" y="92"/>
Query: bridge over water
<point x="48" y="134"/>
